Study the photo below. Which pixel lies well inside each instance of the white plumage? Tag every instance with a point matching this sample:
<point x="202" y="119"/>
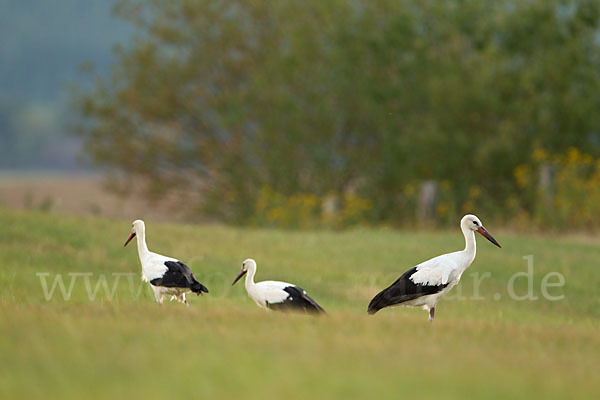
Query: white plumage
<point x="153" y="265"/>
<point x="276" y="295"/>
<point x="427" y="282"/>
<point x="166" y="275"/>
<point x="442" y="269"/>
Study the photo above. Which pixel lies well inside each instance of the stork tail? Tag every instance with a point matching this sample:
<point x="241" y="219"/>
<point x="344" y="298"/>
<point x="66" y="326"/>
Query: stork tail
<point x="198" y="288"/>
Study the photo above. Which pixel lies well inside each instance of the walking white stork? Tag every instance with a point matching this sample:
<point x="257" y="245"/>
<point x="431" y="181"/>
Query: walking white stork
<point x="426" y="283"/>
<point x="274" y="295"/>
<point x="166" y="275"/>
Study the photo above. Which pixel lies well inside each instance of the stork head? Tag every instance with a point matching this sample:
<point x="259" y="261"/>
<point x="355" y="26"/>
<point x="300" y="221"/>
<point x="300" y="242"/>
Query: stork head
<point x="246" y="265"/>
<point x="136" y="227"/>
<point x="473" y="223"/>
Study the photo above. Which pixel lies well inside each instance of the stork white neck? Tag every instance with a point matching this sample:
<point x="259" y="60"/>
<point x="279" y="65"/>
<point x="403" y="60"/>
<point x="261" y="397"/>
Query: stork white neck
<point x="249" y="282"/>
<point x="140" y="233"/>
<point x="470" y="242"/>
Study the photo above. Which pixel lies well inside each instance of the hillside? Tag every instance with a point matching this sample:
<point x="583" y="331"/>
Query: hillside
<point x="42" y="46"/>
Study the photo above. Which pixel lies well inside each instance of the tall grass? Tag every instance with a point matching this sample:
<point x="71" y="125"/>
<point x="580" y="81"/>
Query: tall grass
<point x="223" y="346"/>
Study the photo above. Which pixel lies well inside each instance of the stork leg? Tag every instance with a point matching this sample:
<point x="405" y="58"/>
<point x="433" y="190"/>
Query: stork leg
<point x="431" y="313"/>
<point x="183" y="300"/>
<point x="157" y="295"/>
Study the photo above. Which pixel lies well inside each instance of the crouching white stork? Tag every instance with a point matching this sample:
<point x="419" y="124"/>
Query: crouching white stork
<point x="166" y="275"/>
<point x="274" y="295"/>
<point x="426" y="283"/>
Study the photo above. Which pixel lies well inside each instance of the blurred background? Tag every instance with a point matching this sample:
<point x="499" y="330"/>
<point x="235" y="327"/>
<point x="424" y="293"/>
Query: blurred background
<point x="304" y="114"/>
<point x="310" y="116"/>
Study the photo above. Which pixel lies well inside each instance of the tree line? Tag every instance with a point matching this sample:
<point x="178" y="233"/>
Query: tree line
<point x="232" y="99"/>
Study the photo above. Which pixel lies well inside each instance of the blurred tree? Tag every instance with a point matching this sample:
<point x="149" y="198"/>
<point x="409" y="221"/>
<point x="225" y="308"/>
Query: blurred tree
<point x="227" y="97"/>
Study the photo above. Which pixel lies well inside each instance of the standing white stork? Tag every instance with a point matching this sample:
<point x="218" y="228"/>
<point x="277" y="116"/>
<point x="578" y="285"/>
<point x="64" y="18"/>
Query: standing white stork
<point x="424" y="284"/>
<point x="274" y="295"/>
<point x="166" y="275"/>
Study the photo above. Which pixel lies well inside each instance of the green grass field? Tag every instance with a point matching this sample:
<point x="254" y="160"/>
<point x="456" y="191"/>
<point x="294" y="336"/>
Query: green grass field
<point x="224" y="347"/>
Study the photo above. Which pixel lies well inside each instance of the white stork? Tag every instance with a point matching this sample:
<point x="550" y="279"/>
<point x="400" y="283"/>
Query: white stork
<point x="166" y="275"/>
<point x="426" y="283"/>
<point x="274" y="295"/>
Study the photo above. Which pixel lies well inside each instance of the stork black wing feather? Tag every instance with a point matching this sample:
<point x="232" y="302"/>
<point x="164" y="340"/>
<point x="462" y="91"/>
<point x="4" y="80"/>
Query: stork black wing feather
<point x="181" y="276"/>
<point x="402" y="290"/>
<point x="297" y="300"/>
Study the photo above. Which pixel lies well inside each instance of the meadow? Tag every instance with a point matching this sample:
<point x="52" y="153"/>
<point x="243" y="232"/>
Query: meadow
<point x="96" y="344"/>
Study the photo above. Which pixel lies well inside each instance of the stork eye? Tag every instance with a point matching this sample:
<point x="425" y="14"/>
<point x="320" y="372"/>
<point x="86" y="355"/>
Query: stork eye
<point x="475" y="222"/>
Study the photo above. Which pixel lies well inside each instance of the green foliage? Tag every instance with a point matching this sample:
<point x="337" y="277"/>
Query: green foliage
<point x="334" y="97"/>
<point x="572" y="200"/>
<point x="309" y="211"/>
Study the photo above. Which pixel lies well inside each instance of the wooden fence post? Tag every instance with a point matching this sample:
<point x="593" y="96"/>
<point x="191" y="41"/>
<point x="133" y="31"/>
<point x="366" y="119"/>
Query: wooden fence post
<point x="546" y="183"/>
<point x="427" y="201"/>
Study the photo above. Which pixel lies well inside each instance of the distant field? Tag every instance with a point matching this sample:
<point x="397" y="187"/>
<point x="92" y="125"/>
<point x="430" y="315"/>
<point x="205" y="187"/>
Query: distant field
<point x="76" y="194"/>
<point x="224" y="347"/>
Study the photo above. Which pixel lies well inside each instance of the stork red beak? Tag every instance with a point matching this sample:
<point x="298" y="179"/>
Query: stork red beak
<point x="488" y="236"/>
<point x="130" y="237"/>
<point x="237" y="278"/>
